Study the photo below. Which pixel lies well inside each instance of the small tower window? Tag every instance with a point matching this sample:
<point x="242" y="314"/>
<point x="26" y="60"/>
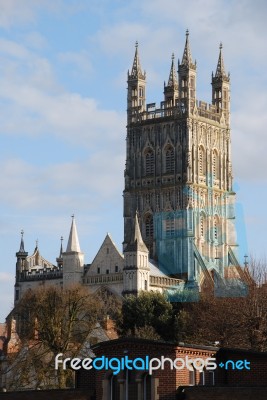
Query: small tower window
<point x="216" y="228"/>
<point x="202" y="226"/>
<point x="215" y="165"/>
<point x="149" y="162"/>
<point x="169" y="159"/>
<point x="149" y="227"/>
<point x="201" y="161"/>
<point x="98" y="270"/>
<point x="170" y="228"/>
<point x="116" y="268"/>
<point x="107" y="271"/>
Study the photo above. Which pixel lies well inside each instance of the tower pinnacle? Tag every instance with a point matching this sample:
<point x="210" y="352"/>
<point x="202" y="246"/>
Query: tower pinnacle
<point x="187" y="57"/>
<point x="173" y="81"/>
<point x="21" y="249"/>
<point x="220" y="70"/>
<point x="61" y="247"/>
<point x="136" y="68"/>
<point x="137" y="242"/>
<point x="73" y="242"/>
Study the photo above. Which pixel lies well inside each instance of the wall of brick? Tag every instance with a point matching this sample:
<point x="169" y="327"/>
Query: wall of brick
<point x="222" y="393"/>
<point x="168" y="380"/>
<point x="68" y="394"/>
<point x="256" y="376"/>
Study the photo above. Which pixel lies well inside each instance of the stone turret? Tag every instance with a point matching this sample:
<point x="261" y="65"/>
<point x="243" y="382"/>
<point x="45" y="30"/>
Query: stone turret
<point x="73" y="258"/>
<point x="187" y="77"/>
<point x="136" y="99"/>
<point x="171" y="89"/>
<point x="136" y="268"/>
<point x="221" y="89"/>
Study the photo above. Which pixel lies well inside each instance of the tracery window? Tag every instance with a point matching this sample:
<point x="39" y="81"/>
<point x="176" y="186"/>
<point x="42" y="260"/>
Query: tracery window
<point x="202" y="161"/>
<point x="216" y="228"/>
<point x="170" y="226"/>
<point x="169" y="160"/>
<point x="215" y="165"/>
<point x="149" y="162"/>
<point x="149" y="229"/>
<point x="202" y="226"/>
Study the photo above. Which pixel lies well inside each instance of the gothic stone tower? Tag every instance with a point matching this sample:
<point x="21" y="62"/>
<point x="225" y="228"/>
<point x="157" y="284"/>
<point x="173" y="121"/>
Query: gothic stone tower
<point x="178" y="173"/>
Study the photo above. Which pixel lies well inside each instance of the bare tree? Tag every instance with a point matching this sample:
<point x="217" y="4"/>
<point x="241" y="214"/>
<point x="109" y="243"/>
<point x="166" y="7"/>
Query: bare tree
<point x="51" y="321"/>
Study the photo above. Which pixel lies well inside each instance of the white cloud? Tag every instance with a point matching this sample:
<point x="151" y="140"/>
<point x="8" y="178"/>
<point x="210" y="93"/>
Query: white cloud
<point x="17" y="12"/>
<point x="6" y="277"/>
<point x="80" y="61"/>
<point x="61" y="186"/>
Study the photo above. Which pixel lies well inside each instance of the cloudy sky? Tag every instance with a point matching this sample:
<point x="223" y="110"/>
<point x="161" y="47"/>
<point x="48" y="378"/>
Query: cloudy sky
<point x="63" y="67"/>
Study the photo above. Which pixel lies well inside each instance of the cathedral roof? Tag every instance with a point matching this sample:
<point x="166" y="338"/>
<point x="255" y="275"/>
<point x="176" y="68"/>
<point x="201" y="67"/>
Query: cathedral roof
<point x="107" y="247"/>
<point x="155" y="271"/>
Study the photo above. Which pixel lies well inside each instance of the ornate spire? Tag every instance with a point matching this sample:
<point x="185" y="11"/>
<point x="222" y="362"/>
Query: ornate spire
<point x="21" y="249"/>
<point x="21" y="253"/>
<point x="136" y="68"/>
<point x="187" y="57"/>
<point x="220" y="70"/>
<point x="173" y="81"/>
<point x="73" y="242"/>
<point x="61" y="248"/>
<point x="137" y="240"/>
<point x="60" y="257"/>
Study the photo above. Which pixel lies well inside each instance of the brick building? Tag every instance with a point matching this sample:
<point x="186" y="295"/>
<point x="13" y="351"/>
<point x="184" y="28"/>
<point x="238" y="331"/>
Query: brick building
<point x="172" y="384"/>
<point x="139" y="385"/>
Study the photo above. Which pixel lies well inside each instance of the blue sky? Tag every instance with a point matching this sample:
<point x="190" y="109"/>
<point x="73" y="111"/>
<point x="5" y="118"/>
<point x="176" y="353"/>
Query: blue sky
<point x="63" y="71"/>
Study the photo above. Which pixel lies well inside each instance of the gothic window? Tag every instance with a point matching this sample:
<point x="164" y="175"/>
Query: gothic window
<point x="202" y="161"/>
<point x="149" y="162"/>
<point x="216" y="228"/>
<point x="215" y="165"/>
<point x="170" y="226"/>
<point x="169" y="160"/>
<point x="202" y="226"/>
<point x="149" y="227"/>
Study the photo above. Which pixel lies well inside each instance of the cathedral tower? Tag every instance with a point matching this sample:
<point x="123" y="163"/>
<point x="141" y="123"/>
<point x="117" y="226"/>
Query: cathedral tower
<point x="178" y="173"/>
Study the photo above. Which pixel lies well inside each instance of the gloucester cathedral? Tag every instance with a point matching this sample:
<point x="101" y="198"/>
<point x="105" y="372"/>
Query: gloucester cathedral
<point x="179" y="204"/>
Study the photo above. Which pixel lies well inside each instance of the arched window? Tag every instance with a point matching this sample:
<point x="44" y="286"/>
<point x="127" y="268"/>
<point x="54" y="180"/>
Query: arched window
<point x="202" y="226"/>
<point x="215" y="165"/>
<point x="216" y="228"/>
<point x="149" y="162"/>
<point x="170" y="227"/>
<point x="169" y="160"/>
<point x="149" y="227"/>
<point x="202" y="161"/>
